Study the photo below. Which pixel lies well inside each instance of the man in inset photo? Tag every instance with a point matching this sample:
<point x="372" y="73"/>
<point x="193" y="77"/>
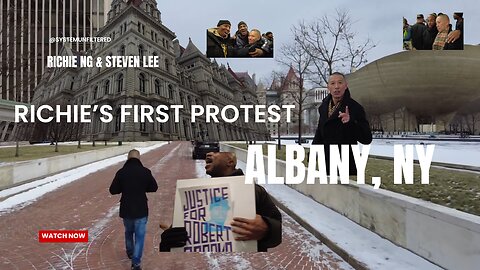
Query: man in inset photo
<point x="456" y="37"/>
<point x="219" y="42"/>
<point x="417" y="32"/>
<point x="431" y="32"/>
<point x="241" y="36"/>
<point x="257" y="46"/>
<point x="441" y="40"/>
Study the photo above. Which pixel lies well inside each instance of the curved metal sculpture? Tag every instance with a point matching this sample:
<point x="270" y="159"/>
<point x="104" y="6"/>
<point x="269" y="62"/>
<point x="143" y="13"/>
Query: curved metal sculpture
<point x="424" y="82"/>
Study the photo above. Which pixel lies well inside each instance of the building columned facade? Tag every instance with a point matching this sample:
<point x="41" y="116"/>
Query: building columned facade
<point x="185" y="76"/>
<point x="26" y="31"/>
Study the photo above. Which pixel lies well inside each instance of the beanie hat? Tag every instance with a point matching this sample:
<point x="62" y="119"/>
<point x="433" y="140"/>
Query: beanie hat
<point x="223" y="22"/>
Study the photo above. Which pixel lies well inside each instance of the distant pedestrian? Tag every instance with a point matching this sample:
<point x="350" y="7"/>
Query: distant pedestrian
<point x="133" y="180"/>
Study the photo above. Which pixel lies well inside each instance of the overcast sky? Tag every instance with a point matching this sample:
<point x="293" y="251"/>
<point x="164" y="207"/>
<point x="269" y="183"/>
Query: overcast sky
<point x="380" y="20"/>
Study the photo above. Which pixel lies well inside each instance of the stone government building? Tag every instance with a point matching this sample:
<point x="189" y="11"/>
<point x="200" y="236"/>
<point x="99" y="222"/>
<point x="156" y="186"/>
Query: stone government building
<point x="185" y="76"/>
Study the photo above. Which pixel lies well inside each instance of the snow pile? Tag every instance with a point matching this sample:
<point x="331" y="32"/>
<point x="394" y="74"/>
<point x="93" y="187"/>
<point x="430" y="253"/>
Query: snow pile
<point x="28" y="193"/>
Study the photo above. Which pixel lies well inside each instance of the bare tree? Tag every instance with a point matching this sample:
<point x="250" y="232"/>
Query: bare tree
<point x="471" y="120"/>
<point x="297" y="58"/>
<point x="331" y="43"/>
<point x="319" y="48"/>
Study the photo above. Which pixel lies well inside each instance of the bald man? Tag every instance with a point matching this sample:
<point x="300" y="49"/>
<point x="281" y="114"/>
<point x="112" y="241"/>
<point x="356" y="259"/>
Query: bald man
<point x="133" y="180"/>
<point x="256" y="47"/>
<point x="266" y="227"/>
<point x="443" y="26"/>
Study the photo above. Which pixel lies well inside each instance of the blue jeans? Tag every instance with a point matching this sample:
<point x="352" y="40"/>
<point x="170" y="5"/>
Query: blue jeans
<point x="134" y="245"/>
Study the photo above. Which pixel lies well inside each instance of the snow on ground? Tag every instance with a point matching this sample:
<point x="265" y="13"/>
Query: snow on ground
<point x="462" y="153"/>
<point x="313" y="251"/>
<point x="360" y="243"/>
<point x="451" y="152"/>
<point x="236" y="260"/>
<point x="23" y="195"/>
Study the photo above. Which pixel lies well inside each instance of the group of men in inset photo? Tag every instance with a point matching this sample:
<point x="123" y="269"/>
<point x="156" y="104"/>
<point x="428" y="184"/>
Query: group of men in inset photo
<point x="244" y="43"/>
<point x="436" y="33"/>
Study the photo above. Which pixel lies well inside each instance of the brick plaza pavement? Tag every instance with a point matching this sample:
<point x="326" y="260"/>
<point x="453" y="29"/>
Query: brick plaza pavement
<point x="87" y="204"/>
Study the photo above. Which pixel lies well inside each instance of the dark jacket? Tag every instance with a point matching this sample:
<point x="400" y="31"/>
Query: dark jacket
<point x="331" y="130"/>
<point x="457" y="44"/>
<point x="240" y="41"/>
<point x="429" y="37"/>
<point x="262" y="44"/>
<point x="265" y="207"/>
<point x="218" y="46"/>
<point x="417" y="35"/>
<point x="133" y="181"/>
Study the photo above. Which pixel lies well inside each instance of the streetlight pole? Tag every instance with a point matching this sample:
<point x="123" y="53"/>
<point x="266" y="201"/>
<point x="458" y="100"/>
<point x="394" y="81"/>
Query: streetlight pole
<point x="279" y="145"/>
<point x="300" y="105"/>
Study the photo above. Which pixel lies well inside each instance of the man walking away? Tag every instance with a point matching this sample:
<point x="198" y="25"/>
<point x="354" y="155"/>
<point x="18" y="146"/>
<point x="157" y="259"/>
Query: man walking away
<point x="133" y="181"/>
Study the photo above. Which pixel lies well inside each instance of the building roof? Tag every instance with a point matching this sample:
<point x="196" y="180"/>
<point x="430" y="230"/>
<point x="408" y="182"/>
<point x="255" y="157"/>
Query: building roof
<point x="284" y="82"/>
<point x="136" y="3"/>
<point x="235" y="76"/>
<point x="190" y="49"/>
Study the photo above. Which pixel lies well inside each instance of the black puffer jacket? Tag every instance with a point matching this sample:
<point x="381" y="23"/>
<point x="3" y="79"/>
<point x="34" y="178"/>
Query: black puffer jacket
<point x="417" y="35"/>
<point x="265" y="207"/>
<point x="218" y="46"/>
<point x="133" y="181"/>
<point x="429" y="37"/>
<point x="331" y="130"/>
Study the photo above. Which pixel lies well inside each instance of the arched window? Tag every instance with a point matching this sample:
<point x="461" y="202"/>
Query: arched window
<point x="170" y="92"/>
<point x="141" y="79"/>
<point x="121" y="51"/>
<point x="118" y="124"/>
<point x="157" y="86"/>
<point x="95" y="92"/>
<point x="182" y="99"/>
<point x="106" y="87"/>
<point x="141" y="52"/>
<point x="119" y="83"/>
<point x="167" y="64"/>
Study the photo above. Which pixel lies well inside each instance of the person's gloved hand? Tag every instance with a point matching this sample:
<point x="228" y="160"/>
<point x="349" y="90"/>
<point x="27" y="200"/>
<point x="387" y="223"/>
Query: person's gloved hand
<point x="173" y="237"/>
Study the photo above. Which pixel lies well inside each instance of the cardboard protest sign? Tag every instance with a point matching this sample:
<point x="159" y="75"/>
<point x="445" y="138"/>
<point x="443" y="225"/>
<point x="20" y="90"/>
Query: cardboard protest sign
<point x="206" y="207"/>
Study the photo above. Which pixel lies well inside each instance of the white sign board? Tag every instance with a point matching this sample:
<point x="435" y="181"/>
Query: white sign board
<point x="206" y="207"/>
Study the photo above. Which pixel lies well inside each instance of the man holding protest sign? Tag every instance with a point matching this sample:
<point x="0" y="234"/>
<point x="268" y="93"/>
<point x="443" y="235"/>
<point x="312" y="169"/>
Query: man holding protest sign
<point x="266" y="227"/>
